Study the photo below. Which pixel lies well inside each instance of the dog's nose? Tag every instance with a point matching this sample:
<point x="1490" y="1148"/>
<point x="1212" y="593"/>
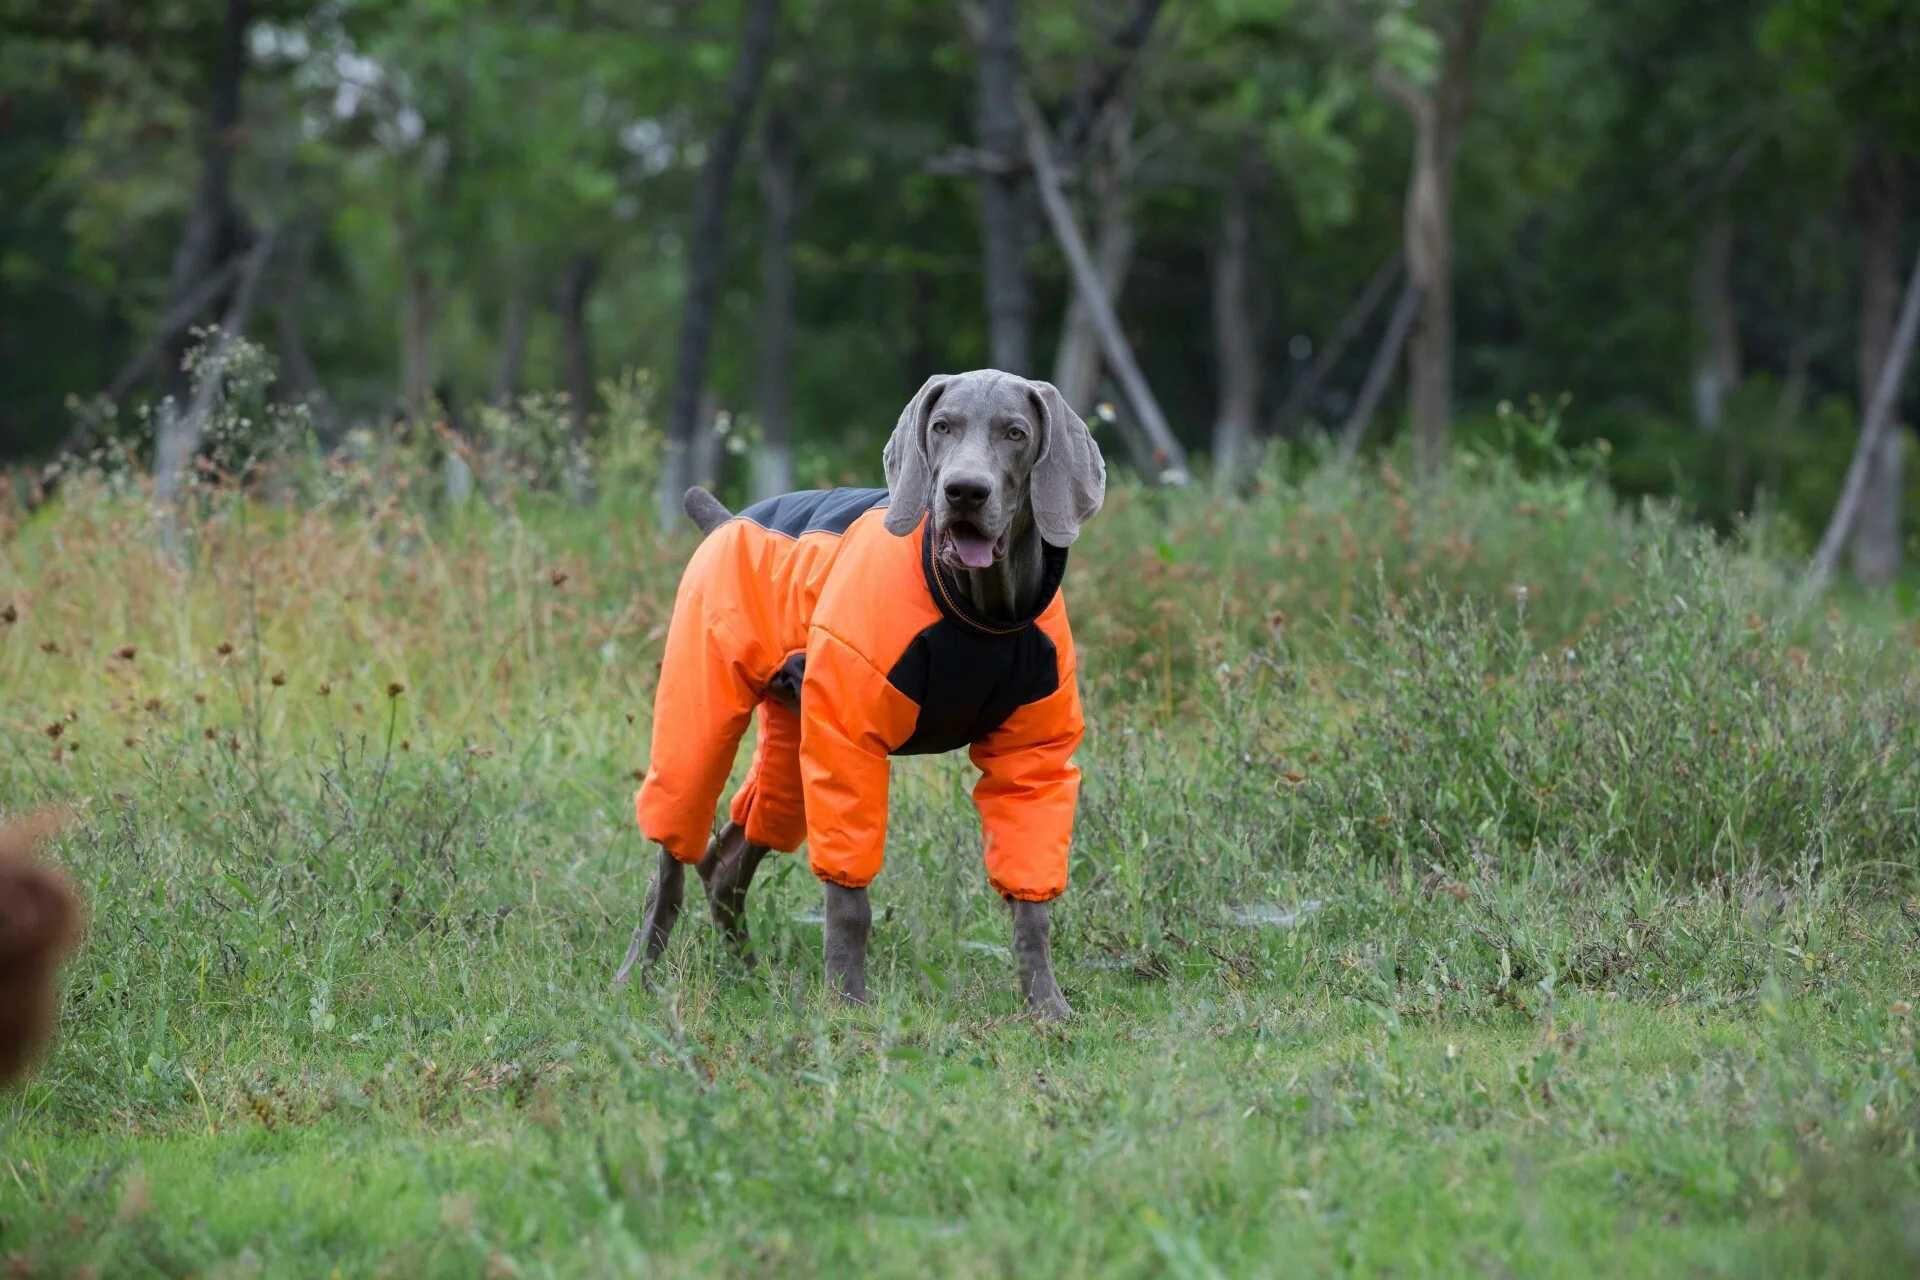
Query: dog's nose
<point x="967" y="491"/>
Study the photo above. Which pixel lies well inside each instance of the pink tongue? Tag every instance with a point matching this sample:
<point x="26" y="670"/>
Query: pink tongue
<point x="975" y="551"/>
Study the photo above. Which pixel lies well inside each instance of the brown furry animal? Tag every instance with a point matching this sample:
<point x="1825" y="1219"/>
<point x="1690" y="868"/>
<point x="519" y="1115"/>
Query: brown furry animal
<point x="40" y="922"/>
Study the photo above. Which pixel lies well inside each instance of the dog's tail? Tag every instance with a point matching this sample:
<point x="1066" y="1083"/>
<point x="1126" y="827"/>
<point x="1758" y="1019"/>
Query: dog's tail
<point x="704" y="509"/>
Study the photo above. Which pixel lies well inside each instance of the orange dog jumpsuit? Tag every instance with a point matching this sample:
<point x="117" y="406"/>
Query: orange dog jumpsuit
<point x="890" y="660"/>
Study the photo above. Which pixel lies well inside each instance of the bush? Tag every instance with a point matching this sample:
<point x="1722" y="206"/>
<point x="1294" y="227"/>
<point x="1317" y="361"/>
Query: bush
<point x="1682" y="731"/>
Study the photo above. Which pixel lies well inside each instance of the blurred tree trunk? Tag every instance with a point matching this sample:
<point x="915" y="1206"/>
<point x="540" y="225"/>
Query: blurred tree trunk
<point x="1076" y="367"/>
<point x="1716" y="366"/>
<point x="1300" y="395"/>
<point x="1099" y="128"/>
<point x="214" y="230"/>
<point x="773" y="463"/>
<point x="1102" y="89"/>
<point x="1876" y="424"/>
<point x="1002" y="211"/>
<point x="705" y="458"/>
<point x="1791" y="402"/>
<point x="1237" y="357"/>
<point x="706" y="253"/>
<point x="513" y="342"/>
<point x="1437" y="115"/>
<point x="922" y="347"/>
<point x="576" y="287"/>
<point x="416" y="338"/>
<point x="1810" y="309"/>
<point x="299" y="378"/>
<point x="1877" y="529"/>
<point x="1405" y="311"/>
<point x="1430" y="263"/>
<point x="1155" y="448"/>
<point x="178" y="432"/>
<point x="1880" y="201"/>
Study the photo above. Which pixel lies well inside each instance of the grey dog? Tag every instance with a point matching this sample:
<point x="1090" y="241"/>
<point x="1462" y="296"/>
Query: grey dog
<point x="995" y="462"/>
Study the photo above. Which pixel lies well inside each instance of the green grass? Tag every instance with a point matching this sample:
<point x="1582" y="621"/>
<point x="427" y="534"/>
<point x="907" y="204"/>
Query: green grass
<point x="1418" y="924"/>
<point x="1238" y="1118"/>
<point x="1186" y="1128"/>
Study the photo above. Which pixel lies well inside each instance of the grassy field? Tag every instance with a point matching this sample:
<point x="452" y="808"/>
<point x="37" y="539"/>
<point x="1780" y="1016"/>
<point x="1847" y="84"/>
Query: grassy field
<point x="1481" y="882"/>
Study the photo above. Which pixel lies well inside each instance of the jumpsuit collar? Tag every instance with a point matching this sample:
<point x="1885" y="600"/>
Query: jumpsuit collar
<point x="952" y="600"/>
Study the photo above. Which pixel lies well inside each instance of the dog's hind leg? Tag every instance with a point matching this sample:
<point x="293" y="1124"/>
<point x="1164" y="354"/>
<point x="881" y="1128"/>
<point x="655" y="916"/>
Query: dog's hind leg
<point x="727" y="872"/>
<point x="849" y="920"/>
<point x="656" y="924"/>
<point x="1033" y="957"/>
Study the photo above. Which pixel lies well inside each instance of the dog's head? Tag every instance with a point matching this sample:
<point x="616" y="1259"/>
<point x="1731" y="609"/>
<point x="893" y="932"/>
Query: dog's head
<point x="984" y="451"/>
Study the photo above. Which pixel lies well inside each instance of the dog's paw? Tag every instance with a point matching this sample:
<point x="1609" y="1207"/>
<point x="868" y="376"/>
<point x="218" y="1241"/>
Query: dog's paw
<point x="1050" y="1008"/>
<point x="634" y="968"/>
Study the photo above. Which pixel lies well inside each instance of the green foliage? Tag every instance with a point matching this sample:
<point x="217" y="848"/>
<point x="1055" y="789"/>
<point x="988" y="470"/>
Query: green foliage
<point x="469" y="155"/>
<point x="1716" y="746"/>
<point x="1862" y="55"/>
<point x="1408" y="46"/>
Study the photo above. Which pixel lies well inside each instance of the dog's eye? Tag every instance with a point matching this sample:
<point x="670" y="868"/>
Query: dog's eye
<point x="1016" y="434"/>
<point x="939" y="426"/>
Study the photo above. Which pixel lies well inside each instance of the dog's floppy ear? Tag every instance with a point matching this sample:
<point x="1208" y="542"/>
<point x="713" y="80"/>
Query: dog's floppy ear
<point x="1069" y="479"/>
<point x="909" y="477"/>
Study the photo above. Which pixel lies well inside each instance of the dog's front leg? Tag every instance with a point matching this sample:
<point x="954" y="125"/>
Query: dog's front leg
<point x="1033" y="957"/>
<point x="656" y="924"/>
<point x="849" y="920"/>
